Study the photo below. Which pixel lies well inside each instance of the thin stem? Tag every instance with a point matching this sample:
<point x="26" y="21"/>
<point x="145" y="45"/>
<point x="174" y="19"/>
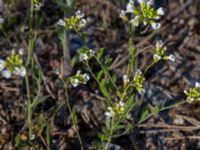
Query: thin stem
<point x="107" y="73"/>
<point x="132" y="62"/>
<point x="162" y="109"/>
<point x="151" y="65"/>
<point x="99" y="84"/>
<point x="110" y="134"/>
<point x="30" y="46"/>
<point x="71" y="113"/>
<point x="6" y="36"/>
<point x="31" y="39"/>
<point x="29" y="109"/>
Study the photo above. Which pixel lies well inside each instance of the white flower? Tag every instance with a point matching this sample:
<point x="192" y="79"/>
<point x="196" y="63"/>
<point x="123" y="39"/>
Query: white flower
<point x="135" y="21"/>
<point x="6" y="74"/>
<point x="129" y="7"/>
<point x="83" y="57"/>
<point x="159" y="44"/>
<point x="92" y="53"/>
<point x="74" y="82"/>
<point x="156" y="57"/>
<point x="155" y="25"/>
<point x="122" y="14"/>
<point x="1" y="20"/>
<point x="22" y="71"/>
<point x="160" y="11"/>
<point x="138" y="72"/>
<point x="79" y="14"/>
<point x="38" y="6"/>
<point x="121" y="103"/>
<point x="141" y="1"/>
<point x="109" y="113"/>
<point x="16" y="71"/>
<point x="86" y="77"/>
<point x="126" y="79"/>
<point x="21" y="51"/>
<point x="2" y="64"/>
<point x="171" y="57"/>
<point x="150" y="2"/>
<point x="197" y="85"/>
<point x="82" y="23"/>
<point x="32" y="137"/>
<point x="61" y="22"/>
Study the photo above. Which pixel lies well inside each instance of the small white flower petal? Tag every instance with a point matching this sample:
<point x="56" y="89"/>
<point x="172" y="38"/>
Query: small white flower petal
<point x="155" y="26"/>
<point x="197" y="84"/>
<point x="135" y="21"/>
<point x="108" y="114"/>
<point x="16" y="71"/>
<point x="83" y="57"/>
<point x="6" y="74"/>
<point x="82" y="23"/>
<point x="172" y="58"/>
<point x="160" y="11"/>
<point x="61" y="22"/>
<point x="156" y="57"/>
<point x="22" y="71"/>
<point x="126" y="79"/>
<point x="79" y="14"/>
<point x="2" y="64"/>
<point x="21" y="51"/>
<point x="121" y="103"/>
<point x="129" y="7"/>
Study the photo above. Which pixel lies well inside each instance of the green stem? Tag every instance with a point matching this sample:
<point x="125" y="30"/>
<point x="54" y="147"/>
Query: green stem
<point x="162" y="109"/>
<point x="132" y="62"/>
<point x="107" y="73"/>
<point x="151" y="65"/>
<point x="71" y="113"/>
<point x="99" y="84"/>
<point x="6" y="36"/>
<point x="29" y="109"/>
<point x="110" y="134"/>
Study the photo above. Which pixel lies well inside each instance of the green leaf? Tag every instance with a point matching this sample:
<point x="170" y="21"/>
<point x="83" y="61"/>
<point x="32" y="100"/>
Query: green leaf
<point x="17" y="140"/>
<point x="99" y="75"/>
<point x="48" y="138"/>
<point x="39" y="101"/>
<point x="100" y="53"/>
<point x="108" y="62"/>
<point x="103" y="88"/>
<point x="156" y="110"/>
<point x="144" y="114"/>
<point x="130" y="103"/>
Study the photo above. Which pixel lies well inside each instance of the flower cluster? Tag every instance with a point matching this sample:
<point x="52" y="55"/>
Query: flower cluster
<point x="85" y="54"/>
<point x="79" y="78"/>
<point x="117" y="109"/>
<point x="193" y="94"/>
<point x="142" y="11"/>
<point x="160" y="52"/>
<point x="75" y="23"/>
<point x="138" y="81"/>
<point x="13" y="65"/>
